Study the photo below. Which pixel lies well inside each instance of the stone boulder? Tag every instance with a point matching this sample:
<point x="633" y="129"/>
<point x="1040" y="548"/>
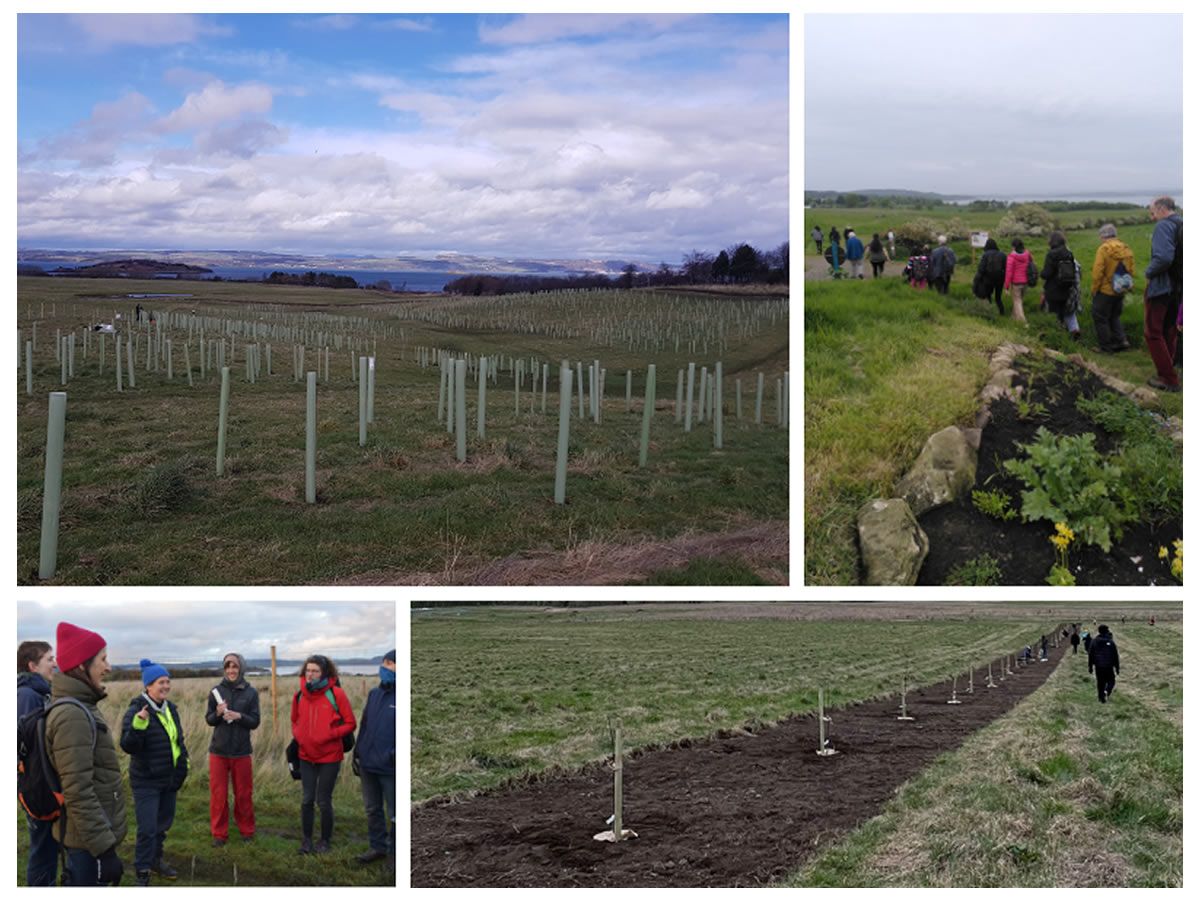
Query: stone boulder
<point x="892" y="544"/>
<point x="943" y="472"/>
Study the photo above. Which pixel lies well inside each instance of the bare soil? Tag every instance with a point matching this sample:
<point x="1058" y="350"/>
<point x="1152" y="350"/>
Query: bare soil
<point x="737" y="809"/>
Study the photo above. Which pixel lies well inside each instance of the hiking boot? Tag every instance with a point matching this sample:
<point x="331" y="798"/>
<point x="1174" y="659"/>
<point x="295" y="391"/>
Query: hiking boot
<point x="306" y="845"/>
<point x="1159" y="385"/>
<point x="322" y="846"/>
<point x="166" y="871"/>
<point x="370" y="856"/>
<point x="220" y="842"/>
<point x="142" y="879"/>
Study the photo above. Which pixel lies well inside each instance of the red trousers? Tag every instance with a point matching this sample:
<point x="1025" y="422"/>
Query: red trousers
<point x="1161" y="332"/>
<point x="241" y="770"/>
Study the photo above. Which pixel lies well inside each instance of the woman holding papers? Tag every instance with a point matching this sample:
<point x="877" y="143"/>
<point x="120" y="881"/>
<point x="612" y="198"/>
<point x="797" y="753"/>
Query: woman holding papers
<point x="233" y="714"/>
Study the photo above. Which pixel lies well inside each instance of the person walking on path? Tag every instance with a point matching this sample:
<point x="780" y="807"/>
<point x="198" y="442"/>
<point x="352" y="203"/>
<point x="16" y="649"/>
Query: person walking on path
<point x="1106" y="661"/>
<point x="854" y="254"/>
<point x="35" y="668"/>
<point x="1112" y="277"/>
<point x="1164" y="292"/>
<point x="1060" y="273"/>
<point x="989" y="276"/>
<point x="818" y="238"/>
<point x="1074" y="642"/>
<point x="877" y="255"/>
<point x="941" y="266"/>
<point x="374" y="762"/>
<point x="1016" y="277"/>
<point x="152" y="735"/>
<point x="1045" y="655"/>
<point x="323" y="725"/>
<point x="229" y="752"/>
<point x="80" y="747"/>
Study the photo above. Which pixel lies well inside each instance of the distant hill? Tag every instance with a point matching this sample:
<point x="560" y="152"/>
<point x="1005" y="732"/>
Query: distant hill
<point x="132" y="268"/>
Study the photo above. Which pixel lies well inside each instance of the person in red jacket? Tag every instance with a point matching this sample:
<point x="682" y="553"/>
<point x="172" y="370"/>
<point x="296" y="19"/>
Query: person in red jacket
<point x="323" y="726"/>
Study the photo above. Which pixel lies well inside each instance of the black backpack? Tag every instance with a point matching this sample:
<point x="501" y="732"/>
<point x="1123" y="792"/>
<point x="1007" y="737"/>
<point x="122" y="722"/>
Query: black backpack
<point x="995" y="265"/>
<point x="1064" y="272"/>
<point x="38" y="786"/>
<point x="1031" y="273"/>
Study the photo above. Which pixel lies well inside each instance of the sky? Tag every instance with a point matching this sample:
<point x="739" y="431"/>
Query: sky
<point x="180" y="631"/>
<point x="995" y="105"/>
<point x="547" y="136"/>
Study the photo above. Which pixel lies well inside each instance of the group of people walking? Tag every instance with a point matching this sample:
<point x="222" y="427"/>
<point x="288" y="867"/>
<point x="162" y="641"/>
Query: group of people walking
<point x="60" y="724"/>
<point x="850" y="260"/>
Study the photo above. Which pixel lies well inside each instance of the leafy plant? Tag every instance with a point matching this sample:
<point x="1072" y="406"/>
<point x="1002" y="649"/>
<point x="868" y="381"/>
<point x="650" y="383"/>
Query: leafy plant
<point x="994" y="504"/>
<point x="982" y="570"/>
<point x="1060" y="572"/>
<point x="1068" y="481"/>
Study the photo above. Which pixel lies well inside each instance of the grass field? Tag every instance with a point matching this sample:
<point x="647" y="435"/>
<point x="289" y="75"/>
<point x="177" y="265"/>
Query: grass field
<point x="886" y="366"/>
<point x="142" y="504"/>
<point x="1061" y="792"/>
<point x="272" y="858"/>
<point x="498" y="693"/>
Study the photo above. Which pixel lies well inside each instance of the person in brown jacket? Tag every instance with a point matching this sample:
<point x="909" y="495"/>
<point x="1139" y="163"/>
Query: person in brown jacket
<point x="80" y="746"/>
<point x="1113" y="258"/>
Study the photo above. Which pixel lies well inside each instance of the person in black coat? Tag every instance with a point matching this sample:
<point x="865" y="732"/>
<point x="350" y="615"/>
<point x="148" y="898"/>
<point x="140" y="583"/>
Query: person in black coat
<point x="152" y="735"/>
<point x="229" y="752"/>
<point x="374" y="763"/>
<point x="1106" y="661"/>
<point x="989" y="276"/>
<point x="1074" y="642"/>
<point x="1058" y="275"/>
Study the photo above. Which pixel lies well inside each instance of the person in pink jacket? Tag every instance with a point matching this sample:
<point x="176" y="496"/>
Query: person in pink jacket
<point x="1016" y="277"/>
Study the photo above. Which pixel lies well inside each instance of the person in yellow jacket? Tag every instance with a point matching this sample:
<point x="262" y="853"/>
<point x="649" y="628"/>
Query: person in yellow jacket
<point x="1114" y="260"/>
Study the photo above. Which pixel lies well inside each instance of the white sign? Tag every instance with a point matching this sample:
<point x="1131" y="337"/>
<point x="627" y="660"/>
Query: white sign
<point x="979" y="239"/>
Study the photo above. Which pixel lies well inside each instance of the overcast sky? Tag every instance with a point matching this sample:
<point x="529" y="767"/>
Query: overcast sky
<point x="175" y="630"/>
<point x="1026" y="104"/>
<point x="632" y="136"/>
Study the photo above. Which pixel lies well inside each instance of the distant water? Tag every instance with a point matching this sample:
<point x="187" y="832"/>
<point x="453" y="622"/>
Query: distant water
<point x="1135" y="199"/>
<point x="291" y="672"/>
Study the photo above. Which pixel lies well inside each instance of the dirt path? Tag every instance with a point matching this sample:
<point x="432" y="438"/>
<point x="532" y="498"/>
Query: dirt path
<point x="735" y="810"/>
<point x="816" y="269"/>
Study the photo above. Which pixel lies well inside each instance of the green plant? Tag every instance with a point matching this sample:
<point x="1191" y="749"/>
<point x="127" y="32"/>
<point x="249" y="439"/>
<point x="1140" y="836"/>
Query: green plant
<point x="994" y="504"/>
<point x="982" y="570"/>
<point x="1060" y="572"/>
<point x="1119" y="415"/>
<point x="1068" y="481"/>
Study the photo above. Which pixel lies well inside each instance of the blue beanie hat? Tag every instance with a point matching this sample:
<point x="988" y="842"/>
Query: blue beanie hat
<point x="152" y="671"/>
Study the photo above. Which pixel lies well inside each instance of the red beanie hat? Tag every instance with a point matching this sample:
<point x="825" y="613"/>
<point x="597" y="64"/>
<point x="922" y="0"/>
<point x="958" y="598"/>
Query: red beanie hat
<point x="74" y="645"/>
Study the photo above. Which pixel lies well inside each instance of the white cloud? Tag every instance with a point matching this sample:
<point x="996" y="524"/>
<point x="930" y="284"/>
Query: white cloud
<point x="217" y="103"/>
<point x="143" y="29"/>
<point x="335" y="22"/>
<point x="402" y="24"/>
<point x="528" y="29"/>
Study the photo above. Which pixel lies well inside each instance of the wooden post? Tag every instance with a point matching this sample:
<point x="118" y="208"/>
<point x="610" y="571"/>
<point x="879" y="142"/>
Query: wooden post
<point x="56" y="429"/>
<point x="274" y="694"/>
<point x="904" y="716"/>
<point x="822" y="720"/>
<point x="310" y="441"/>
<point x="564" y="435"/>
<point x="222" y="421"/>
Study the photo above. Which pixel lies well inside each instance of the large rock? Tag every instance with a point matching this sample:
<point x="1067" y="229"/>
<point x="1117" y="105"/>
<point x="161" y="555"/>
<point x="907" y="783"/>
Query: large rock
<point x="943" y="472"/>
<point x="893" y="545"/>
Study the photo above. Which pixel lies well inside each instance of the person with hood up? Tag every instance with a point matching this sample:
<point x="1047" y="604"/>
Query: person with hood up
<point x="1106" y="661"/>
<point x="323" y="725"/>
<point x="229" y="752"/>
<point x="35" y="668"/>
<point x="1113" y="259"/>
<point x="375" y="763"/>
<point x="1059" y="272"/>
<point x="80" y="746"/>
<point x="152" y="735"/>
<point x="1075" y="642"/>
<point x="1016" y="277"/>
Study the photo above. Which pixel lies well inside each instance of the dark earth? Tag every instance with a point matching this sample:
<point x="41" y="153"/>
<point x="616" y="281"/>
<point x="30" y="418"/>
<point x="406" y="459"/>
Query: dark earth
<point x="733" y="810"/>
<point x="959" y="532"/>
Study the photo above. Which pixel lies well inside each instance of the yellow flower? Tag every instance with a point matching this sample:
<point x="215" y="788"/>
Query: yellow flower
<point x="1162" y="553"/>
<point x="1064" y="531"/>
<point x="1177" y="567"/>
<point x="1178" y="545"/>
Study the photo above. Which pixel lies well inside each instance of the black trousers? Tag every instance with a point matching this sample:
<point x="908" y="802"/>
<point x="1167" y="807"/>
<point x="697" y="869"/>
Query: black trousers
<point x="1106" y="680"/>
<point x="316" y="782"/>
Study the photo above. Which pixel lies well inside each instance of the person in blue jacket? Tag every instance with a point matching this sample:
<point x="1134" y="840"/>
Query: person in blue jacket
<point x="854" y="254"/>
<point x="35" y="668"/>
<point x="374" y="762"/>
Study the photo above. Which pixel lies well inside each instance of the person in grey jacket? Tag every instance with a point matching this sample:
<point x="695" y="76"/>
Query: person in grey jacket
<point x="229" y="752"/>
<point x="941" y="266"/>
<point x="1164" y="292"/>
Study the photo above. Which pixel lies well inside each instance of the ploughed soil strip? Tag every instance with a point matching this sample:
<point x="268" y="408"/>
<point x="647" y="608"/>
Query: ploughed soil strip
<point x="733" y="810"/>
<point x="959" y="532"/>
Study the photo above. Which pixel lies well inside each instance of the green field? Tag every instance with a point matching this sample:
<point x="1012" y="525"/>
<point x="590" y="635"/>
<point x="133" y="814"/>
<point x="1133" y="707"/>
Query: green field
<point x="271" y="859"/>
<point x="886" y="366"/>
<point x="1061" y="792"/>
<point x="1052" y="793"/>
<point x="142" y="503"/>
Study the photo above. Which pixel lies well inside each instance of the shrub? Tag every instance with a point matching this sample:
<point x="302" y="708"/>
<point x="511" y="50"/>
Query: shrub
<point x="162" y="489"/>
<point x="1026" y="220"/>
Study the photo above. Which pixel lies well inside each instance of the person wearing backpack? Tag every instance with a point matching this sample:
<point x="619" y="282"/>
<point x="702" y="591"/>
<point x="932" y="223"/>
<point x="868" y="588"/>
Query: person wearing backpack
<point x="941" y="266"/>
<point x="818" y="238"/>
<point x="1017" y="270"/>
<point x="79" y="745"/>
<point x="877" y="255"/>
<point x="229" y="751"/>
<point x="989" y="276"/>
<point x="1106" y="661"/>
<point x="1164" y="292"/>
<point x="35" y="668"/>
<point x="323" y="725"/>
<point x="1112" y="278"/>
<point x="1060" y="272"/>
<point x="374" y="762"/>
<point x="152" y="735"/>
